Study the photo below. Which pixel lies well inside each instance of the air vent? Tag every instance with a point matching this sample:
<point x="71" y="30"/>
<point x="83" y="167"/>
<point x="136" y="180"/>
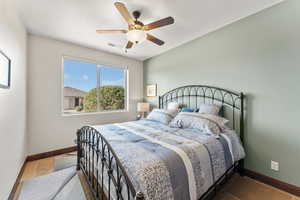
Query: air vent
<point x="111" y="44"/>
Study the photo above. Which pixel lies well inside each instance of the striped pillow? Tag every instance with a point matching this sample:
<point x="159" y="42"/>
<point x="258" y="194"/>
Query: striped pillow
<point x="204" y="122"/>
<point x="162" y="116"/>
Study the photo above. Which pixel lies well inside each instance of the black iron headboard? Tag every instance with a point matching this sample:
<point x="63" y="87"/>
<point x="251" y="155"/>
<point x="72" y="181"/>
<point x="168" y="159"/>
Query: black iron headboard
<point x="191" y="96"/>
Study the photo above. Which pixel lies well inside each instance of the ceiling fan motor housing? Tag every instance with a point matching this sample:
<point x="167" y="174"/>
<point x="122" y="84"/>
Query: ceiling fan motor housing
<point x="136" y="14"/>
<point x="138" y="25"/>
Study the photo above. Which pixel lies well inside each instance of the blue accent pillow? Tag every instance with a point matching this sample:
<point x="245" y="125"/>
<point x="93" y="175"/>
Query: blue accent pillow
<point x="187" y="110"/>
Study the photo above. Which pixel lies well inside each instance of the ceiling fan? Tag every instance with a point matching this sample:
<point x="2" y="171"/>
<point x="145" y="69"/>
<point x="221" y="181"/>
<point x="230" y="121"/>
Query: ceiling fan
<point x="137" y="31"/>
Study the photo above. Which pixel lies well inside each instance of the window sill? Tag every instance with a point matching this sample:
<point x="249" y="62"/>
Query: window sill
<point x="94" y="113"/>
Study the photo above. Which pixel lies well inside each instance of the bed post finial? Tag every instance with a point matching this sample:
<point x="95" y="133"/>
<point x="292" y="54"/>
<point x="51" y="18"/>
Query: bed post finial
<point x="139" y="196"/>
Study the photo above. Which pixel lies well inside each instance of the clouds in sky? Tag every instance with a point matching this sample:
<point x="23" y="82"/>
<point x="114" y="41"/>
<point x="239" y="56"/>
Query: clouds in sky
<point x="68" y="77"/>
<point x="84" y="77"/>
<point x="113" y="82"/>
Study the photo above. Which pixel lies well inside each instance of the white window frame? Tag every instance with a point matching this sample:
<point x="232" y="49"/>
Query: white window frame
<point x="98" y="63"/>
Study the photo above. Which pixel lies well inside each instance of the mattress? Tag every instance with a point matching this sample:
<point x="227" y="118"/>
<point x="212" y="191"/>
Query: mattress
<point x="167" y="163"/>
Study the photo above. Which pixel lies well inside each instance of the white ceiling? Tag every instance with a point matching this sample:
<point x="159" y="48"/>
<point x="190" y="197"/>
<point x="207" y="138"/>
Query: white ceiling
<point x="76" y="20"/>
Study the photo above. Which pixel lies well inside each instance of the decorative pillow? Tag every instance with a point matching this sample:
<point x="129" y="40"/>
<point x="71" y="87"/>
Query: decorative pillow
<point x="161" y="115"/>
<point x="204" y="122"/>
<point x="213" y="109"/>
<point x="222" y="122"/>
<point x="187" y="110"/>
<point x="173" y="106"/>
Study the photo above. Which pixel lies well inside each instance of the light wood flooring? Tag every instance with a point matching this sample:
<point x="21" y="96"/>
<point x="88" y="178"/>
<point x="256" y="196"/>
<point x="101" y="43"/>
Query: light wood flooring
<point x="238" y="188"/>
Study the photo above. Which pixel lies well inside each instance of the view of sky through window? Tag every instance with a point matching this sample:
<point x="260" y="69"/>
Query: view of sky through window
<point x="93" y="88"/>
<point x="111" y="76"/>
<point x="83" y="75"/>
<point x="80" y="75"/>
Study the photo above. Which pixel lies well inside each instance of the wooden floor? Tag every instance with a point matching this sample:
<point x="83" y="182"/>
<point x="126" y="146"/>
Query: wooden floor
<point x="238" y="188"/>
<point x="245" y="188"/>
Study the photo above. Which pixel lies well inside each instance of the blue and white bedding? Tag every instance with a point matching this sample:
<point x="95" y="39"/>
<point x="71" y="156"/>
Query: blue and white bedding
<point x="171" y="163"/>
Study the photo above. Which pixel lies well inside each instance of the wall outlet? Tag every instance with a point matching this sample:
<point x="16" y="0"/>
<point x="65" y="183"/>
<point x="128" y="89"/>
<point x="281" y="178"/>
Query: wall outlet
<point x="274" y="165"/>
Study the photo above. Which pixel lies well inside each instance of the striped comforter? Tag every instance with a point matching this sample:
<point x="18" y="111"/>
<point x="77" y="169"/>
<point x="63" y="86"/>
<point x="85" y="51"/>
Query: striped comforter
<point x="170" y="163"/>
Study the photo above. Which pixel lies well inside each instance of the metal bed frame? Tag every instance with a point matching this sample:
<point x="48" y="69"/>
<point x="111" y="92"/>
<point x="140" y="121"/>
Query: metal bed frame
<point x="93" y="147"/>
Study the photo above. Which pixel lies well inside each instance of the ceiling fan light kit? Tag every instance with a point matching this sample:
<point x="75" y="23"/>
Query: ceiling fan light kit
<point x="137" y="31"/>
<point x="136" y="36"/>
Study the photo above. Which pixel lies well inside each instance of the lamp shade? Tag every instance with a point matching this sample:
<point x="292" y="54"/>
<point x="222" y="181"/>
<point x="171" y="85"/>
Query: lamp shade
<point x="143" y="107"/>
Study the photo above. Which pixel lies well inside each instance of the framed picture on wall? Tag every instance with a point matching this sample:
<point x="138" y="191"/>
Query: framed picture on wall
<point x="4" y="71"/>
<point x="151" y="90"/>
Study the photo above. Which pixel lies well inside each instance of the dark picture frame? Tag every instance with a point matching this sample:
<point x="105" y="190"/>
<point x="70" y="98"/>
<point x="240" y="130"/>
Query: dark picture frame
<point x="5" y="70"/>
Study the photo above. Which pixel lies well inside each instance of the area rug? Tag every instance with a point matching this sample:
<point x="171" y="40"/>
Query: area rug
<point x="60" y="185"/>
<point x="65" y="161"/>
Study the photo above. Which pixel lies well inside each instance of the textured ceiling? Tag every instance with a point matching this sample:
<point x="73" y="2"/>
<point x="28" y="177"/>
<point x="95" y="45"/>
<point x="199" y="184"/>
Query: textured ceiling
<point x="76" y="21"/>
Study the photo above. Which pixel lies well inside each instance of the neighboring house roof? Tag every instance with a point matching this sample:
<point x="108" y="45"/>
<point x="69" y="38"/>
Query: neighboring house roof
<point x="73" y="92"/>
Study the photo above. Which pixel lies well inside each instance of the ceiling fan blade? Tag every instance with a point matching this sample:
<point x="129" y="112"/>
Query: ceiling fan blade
<point x="159" y="23"/>
<point x="155" y="40"/>
<point x="129" y="45"/>
<point x="124" y="12"/>
<point x="110" y="31"/>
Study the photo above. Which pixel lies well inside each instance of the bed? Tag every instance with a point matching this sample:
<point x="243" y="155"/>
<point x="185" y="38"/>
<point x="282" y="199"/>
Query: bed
<point x="146" y="159"/>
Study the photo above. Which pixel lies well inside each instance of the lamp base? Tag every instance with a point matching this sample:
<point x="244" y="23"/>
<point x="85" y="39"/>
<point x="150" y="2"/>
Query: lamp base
<point x="141" y="115"/>
<point x="138" y="117"/>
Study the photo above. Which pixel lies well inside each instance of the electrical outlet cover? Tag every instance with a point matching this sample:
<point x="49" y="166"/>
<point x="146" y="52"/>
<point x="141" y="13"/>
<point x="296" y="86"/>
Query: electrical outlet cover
<point x="274" y="165"/>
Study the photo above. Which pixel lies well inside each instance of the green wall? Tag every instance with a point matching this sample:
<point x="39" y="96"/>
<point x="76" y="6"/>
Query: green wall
<point x="259" y="55"/>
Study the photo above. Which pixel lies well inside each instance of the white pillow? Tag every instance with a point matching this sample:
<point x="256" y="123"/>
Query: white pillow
<point x="213" y="109"/>
<point x="222" y="122"/>
<point x="162" y="116"/>
<point x="173" y="106"/>
<point x="204" y="122"/>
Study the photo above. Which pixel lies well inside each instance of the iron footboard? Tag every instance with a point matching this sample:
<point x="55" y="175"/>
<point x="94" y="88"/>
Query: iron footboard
<point x="93" y="148"/>
<point x="99" y="164"/>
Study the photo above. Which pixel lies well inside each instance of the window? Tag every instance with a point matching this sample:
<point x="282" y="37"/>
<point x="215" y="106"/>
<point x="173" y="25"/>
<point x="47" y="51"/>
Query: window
<point x="90" y="87"/>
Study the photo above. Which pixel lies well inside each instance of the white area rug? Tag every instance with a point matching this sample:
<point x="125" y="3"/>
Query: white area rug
<point x="60" y="185"/>
<point x="64" y="162"/>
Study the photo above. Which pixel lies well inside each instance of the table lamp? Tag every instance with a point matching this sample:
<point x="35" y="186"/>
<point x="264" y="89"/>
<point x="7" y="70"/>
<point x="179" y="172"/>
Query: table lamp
<point x="142" y="108"/>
